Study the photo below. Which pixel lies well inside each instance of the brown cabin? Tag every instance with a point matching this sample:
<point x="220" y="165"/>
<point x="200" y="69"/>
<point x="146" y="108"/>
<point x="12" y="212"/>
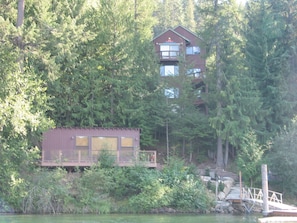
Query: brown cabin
<point x="82" y="147"/>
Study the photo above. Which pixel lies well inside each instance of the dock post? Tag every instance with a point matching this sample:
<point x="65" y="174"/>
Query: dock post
<point x="265" y="189"/>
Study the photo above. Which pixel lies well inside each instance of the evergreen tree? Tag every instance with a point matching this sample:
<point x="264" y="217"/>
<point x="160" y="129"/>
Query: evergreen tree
<point x="268" y="52"/>
<point x="22" y="102"/>
<point x="171" y="14"/>
<point x="232" y="98"/>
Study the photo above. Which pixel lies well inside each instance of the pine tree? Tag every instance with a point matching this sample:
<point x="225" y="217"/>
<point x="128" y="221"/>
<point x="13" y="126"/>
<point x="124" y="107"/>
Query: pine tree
<point x="268" y="53"/>
<point x="232" y="97"/>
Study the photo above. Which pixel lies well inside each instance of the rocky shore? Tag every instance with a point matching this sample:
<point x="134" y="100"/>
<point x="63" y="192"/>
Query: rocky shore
<point x="4" y="208"/>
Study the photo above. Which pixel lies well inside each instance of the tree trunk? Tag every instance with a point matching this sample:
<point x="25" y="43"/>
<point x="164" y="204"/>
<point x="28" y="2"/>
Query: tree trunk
<point x="167" y="140"/>
<point x="19" y="40"/>
<point x="226" y="153"/>
<point x="184" y="147"/>
<point x="20" y="21"/>
<point x="220" y="158"/>
<point x="21" y="9"/>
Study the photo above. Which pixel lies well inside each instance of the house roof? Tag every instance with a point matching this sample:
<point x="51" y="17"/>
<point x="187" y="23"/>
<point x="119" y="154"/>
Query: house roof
<point x="172" y="30"/>
<point x="185" y="29"/>
<point x="188" y="31"/>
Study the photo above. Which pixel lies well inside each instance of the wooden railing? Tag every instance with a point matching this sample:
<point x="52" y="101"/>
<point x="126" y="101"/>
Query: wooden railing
<point x="169" y="55"/>
<point x="257" y="194"/>
<point x="78" y="158"/>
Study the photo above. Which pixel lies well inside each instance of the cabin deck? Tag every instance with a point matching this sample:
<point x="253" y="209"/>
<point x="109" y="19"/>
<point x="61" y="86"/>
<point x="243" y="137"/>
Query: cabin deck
<point x="57" y="158"/>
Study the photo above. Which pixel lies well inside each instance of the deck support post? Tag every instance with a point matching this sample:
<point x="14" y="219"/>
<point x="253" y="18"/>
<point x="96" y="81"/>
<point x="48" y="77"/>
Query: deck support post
<point x="265" y="189"/>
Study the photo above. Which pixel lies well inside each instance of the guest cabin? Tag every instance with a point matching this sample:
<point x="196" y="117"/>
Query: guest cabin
<point x="82" y="147"/>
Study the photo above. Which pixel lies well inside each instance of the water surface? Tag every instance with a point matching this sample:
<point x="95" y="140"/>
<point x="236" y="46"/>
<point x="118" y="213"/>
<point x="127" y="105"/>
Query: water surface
<point x="127" y="219"/>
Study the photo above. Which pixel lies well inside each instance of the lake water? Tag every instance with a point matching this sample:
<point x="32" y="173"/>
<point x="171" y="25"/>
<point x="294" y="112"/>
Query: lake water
<point x="128" y="218"/>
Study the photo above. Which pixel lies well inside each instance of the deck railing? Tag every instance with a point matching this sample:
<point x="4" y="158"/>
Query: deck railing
<point x="87" y="158"/>
<point x="169" y="55"/>
<point x="257" y="194"/>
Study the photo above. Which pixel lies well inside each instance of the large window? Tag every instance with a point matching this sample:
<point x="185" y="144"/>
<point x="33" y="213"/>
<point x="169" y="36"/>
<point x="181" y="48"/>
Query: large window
<point x="191" y="50"/>
<point x="169" y="70"/>
<point x="169" y="50"/>
<point x="171" y="92"/>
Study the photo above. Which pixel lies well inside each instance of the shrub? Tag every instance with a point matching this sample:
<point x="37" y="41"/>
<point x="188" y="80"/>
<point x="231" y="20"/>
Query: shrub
<point x="153" y="195"/>
<point x="47" y="192"/>
<point x="190" y="195"/>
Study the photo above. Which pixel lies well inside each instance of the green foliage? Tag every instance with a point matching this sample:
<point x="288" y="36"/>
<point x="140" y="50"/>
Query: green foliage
<point x="221" y="186"/>
<point x="249" y="159"/>
<point x="281" y="160"/>
<point x="175" y="171"/>
<point x="106" y="159"/>
<point x="190" y="195"/>
<point x="129" y="181"/>
<point x="268" y="54"/>
<point x="108" y="189"/>
<point x="92" y="191"/>
<point x="153" y="195"/>
<point x="47" y="192"/>
<point x="176" y="187"/>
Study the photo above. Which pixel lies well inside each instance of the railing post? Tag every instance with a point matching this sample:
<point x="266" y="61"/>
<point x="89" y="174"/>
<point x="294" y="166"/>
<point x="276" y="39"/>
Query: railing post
<point x="60" y="156"/>
<point x="240" y="186"/>
<point x="42" y="160"/>
<point x="265" y="189"/>
<point x="79" y="156"/>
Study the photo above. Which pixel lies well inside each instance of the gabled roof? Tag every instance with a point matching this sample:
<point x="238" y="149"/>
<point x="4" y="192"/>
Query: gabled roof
<point x="172" y="30"/>
<point x="185" y="29"/>
<point x="188" y="31"/>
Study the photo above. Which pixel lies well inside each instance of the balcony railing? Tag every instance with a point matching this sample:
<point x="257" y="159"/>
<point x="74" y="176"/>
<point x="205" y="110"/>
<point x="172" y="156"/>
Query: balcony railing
<point x="169" y="55"/>
<point x="86" y="158"/>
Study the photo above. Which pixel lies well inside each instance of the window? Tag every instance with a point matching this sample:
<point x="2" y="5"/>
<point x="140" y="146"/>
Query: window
<point x="171" y="92"/>
<point x="169" y="50"/>
<point x="195" y="72"/>
<point x="126" y="142"/>
<point x="198" y="93"/>
<point x="191" y="50"/>
<point x="169" y="70"/>
<point x="126" y="152"/>
<point x="82" y="142"/>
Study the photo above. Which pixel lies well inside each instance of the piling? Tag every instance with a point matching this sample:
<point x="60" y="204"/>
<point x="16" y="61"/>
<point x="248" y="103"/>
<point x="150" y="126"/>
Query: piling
<point x="265" y="189"/>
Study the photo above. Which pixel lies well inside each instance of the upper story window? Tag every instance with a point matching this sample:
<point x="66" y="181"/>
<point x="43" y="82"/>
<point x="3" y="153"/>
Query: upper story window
<point x="171" y="92"/>
<point x="169" y="70"/>
<point x="169" y="50"/>
<point x="192" y="50"/>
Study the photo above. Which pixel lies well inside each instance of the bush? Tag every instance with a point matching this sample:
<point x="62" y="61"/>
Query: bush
<point x="190" y="195"/>
<point x="176" y="186"/>
<point x="93" y="191"/>
<point x="47" y="192"/>
<point x="153" y="195"/>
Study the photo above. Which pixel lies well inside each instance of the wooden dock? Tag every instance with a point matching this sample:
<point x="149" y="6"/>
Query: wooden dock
<point x="283" y="213"/>
<point x="277" y="219"/>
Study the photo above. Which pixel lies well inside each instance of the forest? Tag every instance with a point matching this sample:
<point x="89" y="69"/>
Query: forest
<point x="91" y="63"/>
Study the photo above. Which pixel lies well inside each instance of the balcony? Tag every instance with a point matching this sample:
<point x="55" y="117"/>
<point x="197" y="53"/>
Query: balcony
<point x="79" y="158"/>
<point x="171" y="55"/>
